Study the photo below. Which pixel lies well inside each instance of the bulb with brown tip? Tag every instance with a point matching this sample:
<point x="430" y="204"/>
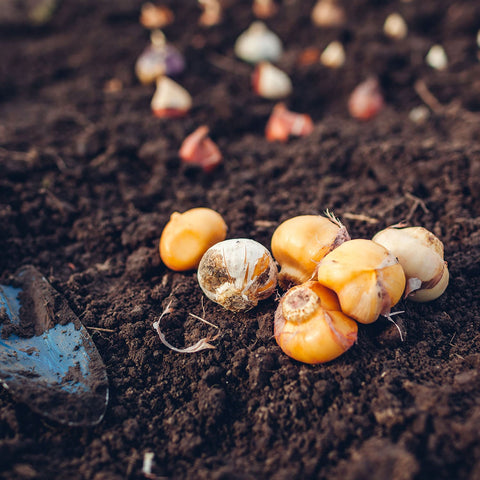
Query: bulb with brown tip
<point x="298" y="244"/>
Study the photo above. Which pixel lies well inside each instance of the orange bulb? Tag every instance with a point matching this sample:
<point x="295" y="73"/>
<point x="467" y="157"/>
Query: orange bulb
<point x="310" y="326"/>
<point x="187" y="236"/>
<point x="367" y="278"/>
<point x="299" y="243"/>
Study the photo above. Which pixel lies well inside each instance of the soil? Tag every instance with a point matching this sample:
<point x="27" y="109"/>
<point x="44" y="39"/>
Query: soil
<point x="89" y="178"/>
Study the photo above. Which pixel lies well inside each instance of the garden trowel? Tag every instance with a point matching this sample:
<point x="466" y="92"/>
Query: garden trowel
<point x="47" y="358"/>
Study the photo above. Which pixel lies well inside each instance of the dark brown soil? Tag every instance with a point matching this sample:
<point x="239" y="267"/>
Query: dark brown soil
<point x="88" y="179"/>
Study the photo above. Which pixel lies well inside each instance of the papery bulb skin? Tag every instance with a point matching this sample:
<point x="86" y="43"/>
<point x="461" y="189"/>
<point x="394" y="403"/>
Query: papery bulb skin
<point x="237" y="274"/>
<point x="328" y="13"/>
<point x="270" y="82"/>
<point x="333" y="56"/>
<point x="170" y="99"/>
<point x="395" y="27"/>
<point x="258" y="43"/>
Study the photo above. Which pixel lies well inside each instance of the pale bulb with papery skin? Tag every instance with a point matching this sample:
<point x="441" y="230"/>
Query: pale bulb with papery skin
<point x="328" y="13"/>
<point x="367" y="278"/>
<point x="270" y="82"/>
<point x="156" y="61"/>
<point x="258" y="43"/>
<point x="333" y="56"/>
<point x="237" y="274"/>
<point x="395" y="26"/>
<point x="212" y="13"/>
<point x="437" y="58"/>
<point x="420" y="253"/>
<point x="310" y="326"/>
<point x="170" y="99"/>
<point x="419" y="115"/>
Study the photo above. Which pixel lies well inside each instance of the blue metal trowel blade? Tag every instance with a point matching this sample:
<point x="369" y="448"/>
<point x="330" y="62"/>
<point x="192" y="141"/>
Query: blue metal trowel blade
<point x="47" y="358"/>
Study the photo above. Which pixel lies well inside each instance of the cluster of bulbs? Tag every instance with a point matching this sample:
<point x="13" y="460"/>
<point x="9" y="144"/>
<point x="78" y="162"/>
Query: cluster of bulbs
<point x="331" y="281"/>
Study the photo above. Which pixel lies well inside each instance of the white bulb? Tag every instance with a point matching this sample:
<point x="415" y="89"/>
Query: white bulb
<point x="333" y="56"/>
<point x="437" y="58"/>
<point x="170" y="96"/>
<point x="419" y="115"/>
<point x="395" y="26"/>
<point x="420" y="253"/>
<point x="271" y="82"/>
<point x="237" y="273"/>
<point x="258" y="43"/>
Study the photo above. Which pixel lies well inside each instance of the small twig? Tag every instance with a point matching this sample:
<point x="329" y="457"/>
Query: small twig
<point x="360" y="217"/>
<point x="59" y="161"/>
<point x="427" y="97"/>
<point x="101" y="329"/>
<point x="204" y="321"/>
<point x="401" y="224"/>
<point x="61" y="205"/>
<point x="264" y="223"/>
<point x="225" y="63"/>
<point x="392" y="206"/>
<point x="454" y="108"/>
<point x="417" y="202"/>
<point x="103" y="157"/>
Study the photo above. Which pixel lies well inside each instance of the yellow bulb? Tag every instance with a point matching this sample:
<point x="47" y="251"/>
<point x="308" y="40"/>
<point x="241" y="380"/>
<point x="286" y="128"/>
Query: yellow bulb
<point x="187" y="236"/>
<point x="299" y="243"/>
<point x="367" y="278"/>
<point x="309" y="325"/>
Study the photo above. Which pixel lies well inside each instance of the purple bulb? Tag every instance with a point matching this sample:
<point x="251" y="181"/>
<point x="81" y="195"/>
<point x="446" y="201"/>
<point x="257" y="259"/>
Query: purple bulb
<point x="174" y="61"/>
<point x="158" y="60"/>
